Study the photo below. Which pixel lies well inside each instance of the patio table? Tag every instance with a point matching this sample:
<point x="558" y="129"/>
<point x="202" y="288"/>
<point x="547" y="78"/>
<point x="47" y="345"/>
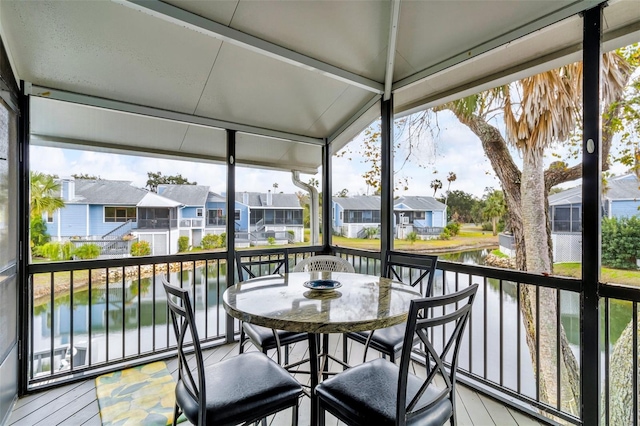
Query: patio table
<point x="362" y="302"/>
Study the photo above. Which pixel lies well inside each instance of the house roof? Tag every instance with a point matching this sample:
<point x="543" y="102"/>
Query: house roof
<point x="359" y="202"/>
<point x="618" y="188"/>
<point x="287" y="76"/>
<point x="112" y="192"/>
<point x="154" y="200"/>
<point x="623" y="189"/>
<point x="420" y="203"/>
<point x="212" y="197"/>
<point x="259" y="199"/>
<point x="188" y="195"/>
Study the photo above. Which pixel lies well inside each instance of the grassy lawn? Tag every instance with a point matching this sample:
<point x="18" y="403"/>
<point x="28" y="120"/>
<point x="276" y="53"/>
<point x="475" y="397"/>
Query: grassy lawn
<point x="470" y="237"/>
<point x="614" y="276"/>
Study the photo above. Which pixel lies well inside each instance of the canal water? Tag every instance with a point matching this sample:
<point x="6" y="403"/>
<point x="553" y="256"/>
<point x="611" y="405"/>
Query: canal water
<point x="132" y="318"/>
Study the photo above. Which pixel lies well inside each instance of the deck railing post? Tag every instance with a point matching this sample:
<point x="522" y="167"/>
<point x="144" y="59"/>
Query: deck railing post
<point x="231" y="231"/>
<point x="23" y="236"/>
<point x="591" y="216"/>
<point x="386" y="179"/>
<point x="327" y="204"/>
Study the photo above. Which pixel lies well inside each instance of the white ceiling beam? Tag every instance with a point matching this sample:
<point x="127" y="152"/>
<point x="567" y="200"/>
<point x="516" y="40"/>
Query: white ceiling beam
<point x="566" y="12"/>
<point x="366" y="107"/>
<point x="227" y="34"/>
<point x="391" y="48"/>
<point x="162" y="114"/>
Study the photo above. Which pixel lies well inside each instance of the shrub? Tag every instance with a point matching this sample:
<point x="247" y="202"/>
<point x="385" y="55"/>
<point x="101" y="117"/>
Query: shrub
<point x="210" y="241"/>
<point x="55" y="251"/>
<point x="183" y="243"/>
<point x="453" y="227"/>
<point x="370" y="232"/>
<point x="412" y="237"/>
<point x="271" y="240"/>
<point x="140" y="248"/>
<point x="223" y="240"/>
<point x="87" y="251"/>
<point x="445" y="234"/>
<point x="38" y="232"/>
<point x="620" y="242"/>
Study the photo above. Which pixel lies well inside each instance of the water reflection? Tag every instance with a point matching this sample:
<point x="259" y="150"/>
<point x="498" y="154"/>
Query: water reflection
<point x="127" y="318"/>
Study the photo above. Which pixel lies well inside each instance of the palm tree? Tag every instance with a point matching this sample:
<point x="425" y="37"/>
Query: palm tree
<point x="494" y="209"/>
<point x="544" y="111"/>
<point x="44" y="196"/>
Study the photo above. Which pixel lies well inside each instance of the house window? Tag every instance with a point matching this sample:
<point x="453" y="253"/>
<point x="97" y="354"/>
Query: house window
<point x="237" y="215"/>
<point x="199" y="212"/>
<point x="215" y="217"/>
<point x="48" y="217"/>
<point x="119" y="214"/>
<point x="341" y="217"/>
<point x="562" y="219"/>
<point x="418" y="215"/>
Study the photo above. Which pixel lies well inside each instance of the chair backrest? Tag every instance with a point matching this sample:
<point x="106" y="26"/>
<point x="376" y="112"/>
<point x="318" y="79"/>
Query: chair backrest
<point x="254" y="263"/>
<point x="324" y="263"/>
<point x="184" y="326"/>
<point x="450" y="324"/>
<point x="412" y="269"/>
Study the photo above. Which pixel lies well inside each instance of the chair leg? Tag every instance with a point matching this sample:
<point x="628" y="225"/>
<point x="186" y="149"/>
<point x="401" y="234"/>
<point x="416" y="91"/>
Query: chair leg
<point x="321" y="416"/>
<point x="243" y="337"/>
<point x="176" y="414"/>
<point x="294" y="416"/>
<point x="286" y="354"/>
<point x="345" y="354"/>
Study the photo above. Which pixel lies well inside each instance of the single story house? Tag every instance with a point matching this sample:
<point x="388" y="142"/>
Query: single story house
<point x="353" y="216"/>
<point x="621" y="199"/>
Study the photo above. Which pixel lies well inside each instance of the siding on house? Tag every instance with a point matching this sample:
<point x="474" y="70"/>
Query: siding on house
<point x="243" y="223"/>
<point x="624" y="208"/>
<point x="98" y="226"/>
<point x="191" y="213"/>
<point x="71" y="223"/>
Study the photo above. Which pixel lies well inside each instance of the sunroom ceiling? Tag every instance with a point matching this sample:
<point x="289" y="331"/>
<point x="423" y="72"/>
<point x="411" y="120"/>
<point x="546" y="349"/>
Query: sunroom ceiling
<point x="288" y="75"/>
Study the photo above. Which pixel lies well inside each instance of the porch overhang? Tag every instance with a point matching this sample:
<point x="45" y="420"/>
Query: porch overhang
<point x="287" y="76"/>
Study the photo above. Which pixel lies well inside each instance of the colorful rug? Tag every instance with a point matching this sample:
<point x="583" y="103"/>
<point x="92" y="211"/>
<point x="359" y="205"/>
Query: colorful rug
<point x="141" y="395"/>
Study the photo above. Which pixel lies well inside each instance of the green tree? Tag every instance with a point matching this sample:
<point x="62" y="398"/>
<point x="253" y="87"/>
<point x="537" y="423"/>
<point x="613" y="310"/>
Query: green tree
<point x="460" y="205"/>
<point x="539" y="111"/>
<point x="494" y="209"/>
<point x="344" y="193"/>
<point x="436" y="184"/>
<point x="155" y="179"/>
<point x="621" y="242"/>
<point x="44" y="196"/>
<point x="85" y="176"/>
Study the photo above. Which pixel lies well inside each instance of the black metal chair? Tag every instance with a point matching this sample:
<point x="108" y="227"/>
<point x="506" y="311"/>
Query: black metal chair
<point x="409" y="268"/>
<point x="254" y="263"/>
<point x="242" y="389"/>
<point x="382" y="393"/>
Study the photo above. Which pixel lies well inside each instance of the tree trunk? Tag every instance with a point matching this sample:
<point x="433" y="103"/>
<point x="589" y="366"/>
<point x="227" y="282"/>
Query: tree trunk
<point x="526" y="198"/>
<point x="534" y="218"/>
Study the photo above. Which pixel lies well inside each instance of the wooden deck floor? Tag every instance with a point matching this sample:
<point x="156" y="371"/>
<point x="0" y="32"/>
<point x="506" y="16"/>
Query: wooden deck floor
<point x="76" y="404"/>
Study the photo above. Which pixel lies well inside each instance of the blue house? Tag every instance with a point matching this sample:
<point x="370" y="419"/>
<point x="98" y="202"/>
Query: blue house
<point x="353" y="215"/>
<point x="111" y="213"/>
<point x="621" y="199"/>
<point x="104" y="212"/>
<point x="192" y="214"/>
<point x="264" y="215"/>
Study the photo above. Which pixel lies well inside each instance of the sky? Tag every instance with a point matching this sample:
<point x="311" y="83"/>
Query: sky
<point x="453" y="149"/>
